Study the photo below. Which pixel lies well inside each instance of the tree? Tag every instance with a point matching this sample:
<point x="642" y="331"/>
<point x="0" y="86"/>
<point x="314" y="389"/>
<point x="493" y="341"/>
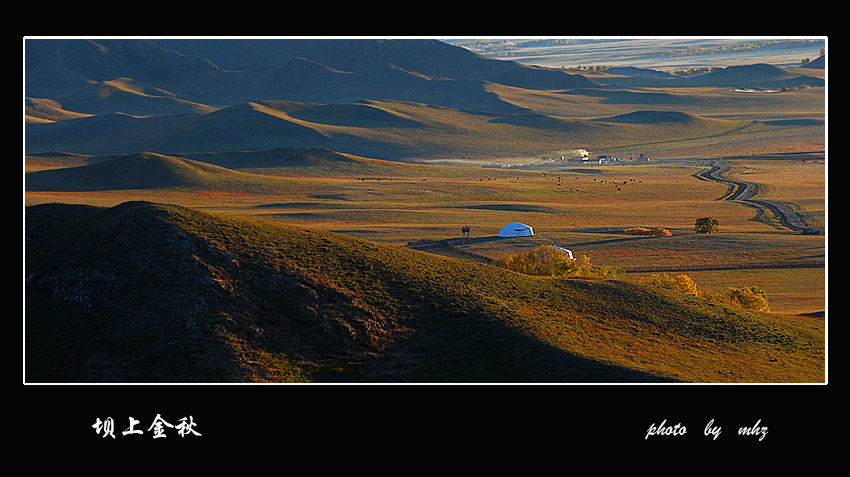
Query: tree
<point x="685" y="284"/>
<point x="706" y="225"/>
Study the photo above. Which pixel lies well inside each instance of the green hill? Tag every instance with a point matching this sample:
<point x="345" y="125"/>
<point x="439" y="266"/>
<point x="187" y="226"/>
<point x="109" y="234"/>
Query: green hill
<point x="144" y="292"/>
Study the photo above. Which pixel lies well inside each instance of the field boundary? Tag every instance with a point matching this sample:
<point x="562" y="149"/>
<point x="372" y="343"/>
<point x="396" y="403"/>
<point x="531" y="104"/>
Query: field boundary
<point x="716" y="268"/>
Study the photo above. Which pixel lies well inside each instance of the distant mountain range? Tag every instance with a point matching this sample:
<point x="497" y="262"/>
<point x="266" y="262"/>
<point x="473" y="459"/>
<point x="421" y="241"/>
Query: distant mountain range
<point x="298" y="70"/>
<point x="389" y="99"/>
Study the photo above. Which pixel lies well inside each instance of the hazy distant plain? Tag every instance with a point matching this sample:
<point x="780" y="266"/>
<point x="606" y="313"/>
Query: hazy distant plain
<point x="663" y="54"/>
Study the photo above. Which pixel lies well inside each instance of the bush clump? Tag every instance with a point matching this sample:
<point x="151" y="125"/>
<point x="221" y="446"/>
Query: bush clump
<point x="657" y="232"/>
<point x="748" y="298"/>
<point x="550" y="261"/>
<point x="681" y="283"/>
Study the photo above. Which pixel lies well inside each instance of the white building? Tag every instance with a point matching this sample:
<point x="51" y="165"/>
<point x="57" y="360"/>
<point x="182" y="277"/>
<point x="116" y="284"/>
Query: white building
<point x="516" y="229"/>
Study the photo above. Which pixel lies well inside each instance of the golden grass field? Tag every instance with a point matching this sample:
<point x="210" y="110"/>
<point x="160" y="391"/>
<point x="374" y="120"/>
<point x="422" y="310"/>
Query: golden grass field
<point x="582" y="208"/>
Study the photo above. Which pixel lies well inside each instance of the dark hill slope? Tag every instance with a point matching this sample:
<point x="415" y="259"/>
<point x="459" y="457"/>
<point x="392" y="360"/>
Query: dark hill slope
<point x="391" y="131"/>
<point x="57" y="66"/>
<point x="639" y="72"/>
<point x="817" y="63"/>
<point x="431" y="58"/>
<point x="150" y="293"/>
<point x="755" y="76"/>
<point x="124" y="95"/>
<point x="361" y="114"/>
<point x="651" y="123"/>
<point x="244" y="126"/>
<point x="304" y="80"/>
<point x="110" y="133"/>
<point x="651" y="117"/>
<point x="297" y="161"/>
<point x="325" y="70"/>
<point x="387" y="130"/>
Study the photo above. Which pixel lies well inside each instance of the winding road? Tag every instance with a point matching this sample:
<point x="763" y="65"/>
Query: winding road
<point x="743" y="192"/>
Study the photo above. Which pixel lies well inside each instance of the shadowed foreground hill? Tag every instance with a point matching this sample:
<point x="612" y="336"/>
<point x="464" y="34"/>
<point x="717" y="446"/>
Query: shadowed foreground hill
<point x="144" y="292"/>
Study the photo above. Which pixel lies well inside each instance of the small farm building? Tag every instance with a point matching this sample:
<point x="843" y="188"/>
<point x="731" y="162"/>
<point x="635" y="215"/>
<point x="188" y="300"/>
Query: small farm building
<point x="516" y="229"/>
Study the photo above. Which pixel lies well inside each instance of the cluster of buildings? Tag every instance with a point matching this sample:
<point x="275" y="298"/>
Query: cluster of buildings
<point x="584" y="157"/>
<point x="612" y="159"/>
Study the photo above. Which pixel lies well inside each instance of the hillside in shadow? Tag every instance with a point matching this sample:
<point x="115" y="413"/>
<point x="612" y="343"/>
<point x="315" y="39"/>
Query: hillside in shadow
<point x="144" y="292"/>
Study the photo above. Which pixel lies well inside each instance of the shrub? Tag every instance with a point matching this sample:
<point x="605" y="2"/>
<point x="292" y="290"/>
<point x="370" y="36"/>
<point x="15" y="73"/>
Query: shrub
<point x="658" y="232"/>
<point x="638" y="231"/>
<point x="550" y="261"/>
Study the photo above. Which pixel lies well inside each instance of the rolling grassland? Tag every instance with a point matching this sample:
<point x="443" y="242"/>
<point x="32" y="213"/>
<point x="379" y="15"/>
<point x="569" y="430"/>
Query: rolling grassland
<point x="586" y="209"/>
<point x="293" y="214"/>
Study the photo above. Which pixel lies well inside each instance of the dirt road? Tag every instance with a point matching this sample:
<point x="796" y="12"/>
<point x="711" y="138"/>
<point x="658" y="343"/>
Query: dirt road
<point x="743" y="192"/>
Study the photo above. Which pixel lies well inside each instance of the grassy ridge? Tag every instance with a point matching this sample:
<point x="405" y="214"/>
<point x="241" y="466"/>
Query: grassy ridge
<point x="146" y="292"/>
